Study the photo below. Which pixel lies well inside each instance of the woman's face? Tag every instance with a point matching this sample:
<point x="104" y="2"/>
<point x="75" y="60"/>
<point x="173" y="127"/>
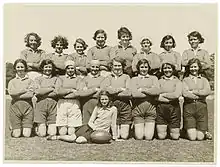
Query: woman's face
<point x="125" y="38"/>
<point x="47" y="70"/>
<point x="79" y="48"/>
<point x="59" y="47"/>
<point x="100" y="39"/>
<point x="20" y="69"/>
<point x="95" y="69"/>
<point x="194" y="42"/>
<point x="70" y="70"/>
<point x="168" y="71"/>
<point x="117" y="68"/>
<point x="194" y="69"/>
<point x="104" y="100"/>
<point x="32" y="42"/>
<point x="146" y="45"/>
<point x="143" y="69"/>
<point x="168" y="44"/>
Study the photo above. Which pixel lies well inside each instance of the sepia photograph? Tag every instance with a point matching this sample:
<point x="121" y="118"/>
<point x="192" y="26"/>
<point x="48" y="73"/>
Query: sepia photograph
<point x="110" y="83"/>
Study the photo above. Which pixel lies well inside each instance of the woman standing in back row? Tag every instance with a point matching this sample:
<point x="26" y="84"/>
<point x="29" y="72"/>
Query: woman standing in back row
<point x="124" y="49"/>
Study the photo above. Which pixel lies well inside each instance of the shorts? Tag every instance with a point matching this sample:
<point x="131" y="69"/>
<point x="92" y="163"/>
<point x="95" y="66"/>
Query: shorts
<point x="195" y="115"/>
<point x="21" y="114"/>
<point x="169" y="114"/>
<point x="88" y="108"/>
<point x="124" y="112"/>
<point x="144" y="112"/>
<point x="46" y="111"/>
<point x="68" y="113"/>
<point x="85" y="131"/>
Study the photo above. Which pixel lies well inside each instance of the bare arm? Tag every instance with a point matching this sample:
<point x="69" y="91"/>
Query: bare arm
<point x="92" y="119"/>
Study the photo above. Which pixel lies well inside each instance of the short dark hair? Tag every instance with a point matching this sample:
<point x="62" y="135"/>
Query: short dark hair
<point x="106" y="93"/>
<point x="196" y="34"/>
<point x="100" y="31"/>
<point x="167" y="37"/>
<point x="61" y="39"/>
<point x="20" y="61"/>
<point x="190" y="62"/>
<point x="81" y="41"/>
<point x="143" y="61"/>
<point x="38" y="39"/>
<point x="172" y="66"/>
<point x="146" y="39"/>
<point x="124" y="30"/>
<point x="46" y="62"/>
<point x="117" y="59"/>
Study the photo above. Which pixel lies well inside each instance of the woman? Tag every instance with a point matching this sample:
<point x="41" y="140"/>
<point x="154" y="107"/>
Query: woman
<point x="59" y="43"/>
<point x="195" y="90"/>
<point x="32" y="54"/>
<point x="168" y="109"/>
<point x="101" y="51"/>
<point x="146" y="53"/>
<point x="169" y="55"/>
<point x="46" y="93"/>
<point x="91" y="85"/>
<point x="21" y="89"/>
<point x="118" y="86"/>
<point x="144" y="89"/>
<point x="79" y="57"/>
<point x="124" y="49"/>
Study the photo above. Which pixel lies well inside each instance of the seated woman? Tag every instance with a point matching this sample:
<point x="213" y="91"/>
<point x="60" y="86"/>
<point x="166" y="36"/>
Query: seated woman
<point x="168" y="109"/>
<point x="117" y="84"/>
<point x="21" y="89"/>
<point x="46" y="106"/>
<point x="144" y="89"/>
<point x="195" y="90"/>
<point x="103" y="118"/>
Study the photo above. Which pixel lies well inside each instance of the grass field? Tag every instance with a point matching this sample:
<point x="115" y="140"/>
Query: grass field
<point x="183" y="150"/>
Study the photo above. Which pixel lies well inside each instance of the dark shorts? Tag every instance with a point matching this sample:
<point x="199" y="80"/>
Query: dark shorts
<point x="87" y="109"/>
<point x="85" y="131"/>
<point x="124" y="111"/>
<point x="46" y="111"/>
<point x="144" y="112"/>
<point x="21" y="114"/>
<point x="169" y="114"/>
<point x="195" y="115"/>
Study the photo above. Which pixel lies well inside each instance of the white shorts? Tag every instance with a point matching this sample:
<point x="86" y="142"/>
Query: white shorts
<point x="68" y="113"/>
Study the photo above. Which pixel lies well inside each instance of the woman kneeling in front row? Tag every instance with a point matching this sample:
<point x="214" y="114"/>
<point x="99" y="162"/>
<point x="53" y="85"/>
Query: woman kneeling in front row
<point x="168" y="109"/>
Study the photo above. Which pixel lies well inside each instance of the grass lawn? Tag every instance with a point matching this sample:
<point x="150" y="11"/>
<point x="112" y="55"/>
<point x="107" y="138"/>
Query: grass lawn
<point x="183" y="150"/>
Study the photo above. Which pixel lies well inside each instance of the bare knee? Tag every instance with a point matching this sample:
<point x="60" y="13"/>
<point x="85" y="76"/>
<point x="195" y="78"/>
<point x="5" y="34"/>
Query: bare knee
<point x="71" y="130"/>
<point x="124" y="132"/>
<point x="52" y="129"/>
<point x="162" y="135"/>
<point x="62" y="130"/>
<point x="42" y="130"/>
<point x="191" y="134"/>
<point x="200" y="135"/>
<point x="27" y="132"/>
<point x="16" y="133"/>
<point x="175" y="133"/>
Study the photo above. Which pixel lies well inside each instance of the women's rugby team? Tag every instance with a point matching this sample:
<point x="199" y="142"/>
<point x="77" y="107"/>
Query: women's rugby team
<point x="67" y="97"/>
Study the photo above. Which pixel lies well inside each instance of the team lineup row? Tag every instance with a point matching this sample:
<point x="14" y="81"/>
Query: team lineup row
<point x="77" y="105"/>
<point x="104" y="53"/>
